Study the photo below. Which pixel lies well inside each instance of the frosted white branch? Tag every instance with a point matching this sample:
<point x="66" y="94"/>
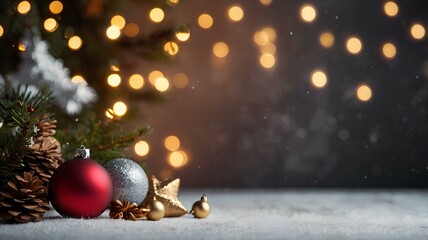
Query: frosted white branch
<point x="39" y="69"/>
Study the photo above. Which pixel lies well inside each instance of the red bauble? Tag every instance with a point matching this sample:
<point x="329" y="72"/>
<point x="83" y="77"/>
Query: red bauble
<point x="80" y="188"/>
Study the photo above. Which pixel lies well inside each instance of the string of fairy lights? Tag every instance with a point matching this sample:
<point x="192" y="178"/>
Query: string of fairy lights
<point x="265" y="39"/>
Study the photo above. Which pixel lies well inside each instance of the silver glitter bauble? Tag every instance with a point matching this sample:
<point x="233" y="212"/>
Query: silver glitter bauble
<point x="129" y="180"/>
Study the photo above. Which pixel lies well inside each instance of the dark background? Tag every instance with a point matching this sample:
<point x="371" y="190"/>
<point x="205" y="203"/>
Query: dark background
<point x="246" y="126"/>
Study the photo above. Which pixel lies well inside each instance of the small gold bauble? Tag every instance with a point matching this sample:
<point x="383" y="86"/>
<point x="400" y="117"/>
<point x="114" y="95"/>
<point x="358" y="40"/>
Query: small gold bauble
<point x="201" y="209"/>
<point x="157" y="210"/>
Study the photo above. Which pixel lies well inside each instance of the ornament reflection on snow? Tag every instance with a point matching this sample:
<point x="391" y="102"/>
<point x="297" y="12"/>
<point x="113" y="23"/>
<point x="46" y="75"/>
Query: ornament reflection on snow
<point x="39" y="69"/>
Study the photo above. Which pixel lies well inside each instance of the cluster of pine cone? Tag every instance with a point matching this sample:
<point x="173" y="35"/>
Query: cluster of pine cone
<point x="24" y="199"/>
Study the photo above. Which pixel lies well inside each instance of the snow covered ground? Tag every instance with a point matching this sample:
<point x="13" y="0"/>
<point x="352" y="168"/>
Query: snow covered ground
<point x="256" y="214"/>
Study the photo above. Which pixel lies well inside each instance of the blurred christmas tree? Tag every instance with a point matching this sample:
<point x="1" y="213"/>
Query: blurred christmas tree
<point x="75" y="50"/>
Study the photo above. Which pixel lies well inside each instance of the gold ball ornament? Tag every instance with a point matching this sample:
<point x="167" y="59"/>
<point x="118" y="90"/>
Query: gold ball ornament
<point x="157" y="210"/>
<point x="201" y="209"/>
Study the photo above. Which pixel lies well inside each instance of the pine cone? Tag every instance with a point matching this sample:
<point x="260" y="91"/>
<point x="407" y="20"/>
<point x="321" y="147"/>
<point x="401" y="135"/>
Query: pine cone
<point x="46" y="127"/>
<point x="45" y="154"/>
<point x="24" y="200"/>
<point x="126" y="210"/>
<point x="45" y="157"/>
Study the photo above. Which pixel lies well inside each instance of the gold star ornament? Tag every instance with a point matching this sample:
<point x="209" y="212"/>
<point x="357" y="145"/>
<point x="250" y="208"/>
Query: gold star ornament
<point x="167" y="193"/>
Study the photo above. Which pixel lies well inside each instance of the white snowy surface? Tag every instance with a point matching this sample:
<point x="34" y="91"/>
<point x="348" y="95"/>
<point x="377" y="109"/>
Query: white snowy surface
<point x="255" y="214"/>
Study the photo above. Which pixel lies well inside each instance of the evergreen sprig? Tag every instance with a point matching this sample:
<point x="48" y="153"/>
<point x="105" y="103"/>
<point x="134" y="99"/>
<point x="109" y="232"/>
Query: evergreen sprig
<point x="106" y="138"/>
<point x="20" y="110"/>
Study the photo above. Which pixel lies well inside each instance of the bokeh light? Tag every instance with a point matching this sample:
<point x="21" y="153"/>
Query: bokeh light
<point x="78" y="79"/>
<point x="157" y="15"/>
<point x="131" y="30"/>
<point x="109" y="113"/>
<point x="319" y="79"/>
<point x="267" y="60"/>
<point x="153" y="75"/>
<point x="177" y="159"/>
<point x="75" y="43"/>
<point x="24" y="7"/>
<point x="261" y="38"/>
<point x="171" y="48"/>
<point x="265" y="2"/>
<point x="118" y="21"/>
<point x="50" y="25"/>
<point x="271" y="33"/>
<point x="161" y="84"/>
<point x="220" y="49"/>
<point x="389" y="50"/>
<point x="364" y="93"/>
<point x="308" y="13"/>
<point x="235" y="13"/>
<point x="114" y="80"/>
<point x="268" y="48"/>
<point x="114" y="68"/>
<point x="185" y="157"/>
<point x="56" y="7"/>
<point x="142" y="148"/>
<point x="136" y="81"/>
<point x="113" y="32"/>
<point x="119" y="108"/>
<point x="22" y="46"/>
<point x="1" y="30"/>
<point x="172" y="143"/>
<point x="354" y="45"/>
<point x="390" y="8"/>
<point x="326" y="39"/>
<point x="173" y="2"/>
<point x="205" y="21"/>
<point x="418" y="31"/>
<point x="182" y="33"/>
<point x="180" y="80"/>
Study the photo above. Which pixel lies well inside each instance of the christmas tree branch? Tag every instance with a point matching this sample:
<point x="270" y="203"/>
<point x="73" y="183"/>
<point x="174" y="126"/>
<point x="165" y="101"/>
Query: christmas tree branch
<point x="107" y="138"/>
<point x="21" y="110"/>
<point x="124" y="140"/>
